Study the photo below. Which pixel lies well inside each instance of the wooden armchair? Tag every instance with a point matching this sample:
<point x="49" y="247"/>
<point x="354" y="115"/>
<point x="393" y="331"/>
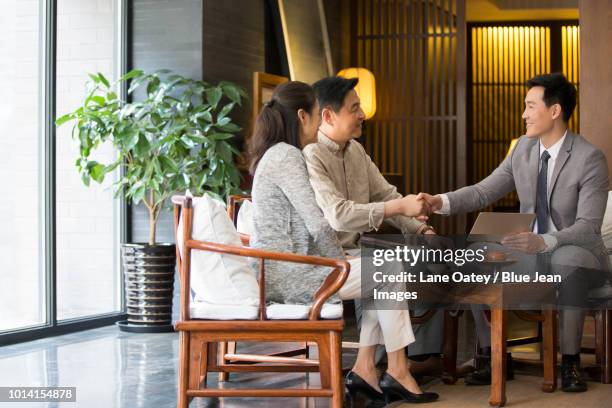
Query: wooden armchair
<point x="198" y="338"/>
<point x="227" y="350"/>
<point x="601" y="301"/>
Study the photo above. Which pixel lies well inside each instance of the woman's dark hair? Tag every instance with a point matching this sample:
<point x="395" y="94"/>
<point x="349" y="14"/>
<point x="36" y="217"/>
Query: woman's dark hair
<point x="278" y="119"/>
<point x="557" y="89"/>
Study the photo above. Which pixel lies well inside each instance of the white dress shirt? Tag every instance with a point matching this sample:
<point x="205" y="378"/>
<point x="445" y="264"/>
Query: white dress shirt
<point x="549" y="240"/>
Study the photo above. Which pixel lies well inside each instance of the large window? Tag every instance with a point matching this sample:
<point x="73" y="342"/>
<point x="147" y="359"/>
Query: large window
<point x="22" y="283"/>
<point x="59" y="239"/>
<point x="86" y="245"/>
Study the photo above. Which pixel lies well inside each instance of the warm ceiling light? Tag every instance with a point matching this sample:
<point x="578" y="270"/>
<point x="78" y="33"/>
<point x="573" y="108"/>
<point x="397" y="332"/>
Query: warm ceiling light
<point x="365" y="88"/>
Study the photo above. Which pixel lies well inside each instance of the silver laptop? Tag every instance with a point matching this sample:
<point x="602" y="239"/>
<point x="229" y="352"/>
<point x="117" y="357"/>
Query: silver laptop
<point x="493" y="226"/>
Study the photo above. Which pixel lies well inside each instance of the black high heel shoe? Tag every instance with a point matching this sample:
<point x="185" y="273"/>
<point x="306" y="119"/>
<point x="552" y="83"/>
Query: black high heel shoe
<point x="355" y="385"/>
<point x="393" y="391"/>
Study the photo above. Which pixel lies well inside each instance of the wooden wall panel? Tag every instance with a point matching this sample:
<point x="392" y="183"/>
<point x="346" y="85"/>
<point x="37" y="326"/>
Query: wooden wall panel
<point x="502" y="58"/>
<point x="416" y="50"/>
<point x="233" y="47"/>
<point x="595" y="74"/>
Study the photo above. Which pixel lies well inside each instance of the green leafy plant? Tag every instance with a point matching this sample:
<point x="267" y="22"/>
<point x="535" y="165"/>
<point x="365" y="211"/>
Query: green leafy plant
<point x="175" y="138"/>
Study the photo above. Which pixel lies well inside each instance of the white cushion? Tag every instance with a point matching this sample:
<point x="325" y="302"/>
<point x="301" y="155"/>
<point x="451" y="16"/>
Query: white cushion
<point x="244" y="221"/>
<point x="215" y="278"/>
<point x="606" y="227"/>
<point x="277" y="311"/>
<point x="280" y="311"/>
<point x="209" y="311"/>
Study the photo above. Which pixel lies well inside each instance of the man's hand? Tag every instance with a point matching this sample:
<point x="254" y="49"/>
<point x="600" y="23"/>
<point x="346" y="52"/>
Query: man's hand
<point x="434" y="202"/>
<point x="525" y="241"/>
<point x="412" y="206"/>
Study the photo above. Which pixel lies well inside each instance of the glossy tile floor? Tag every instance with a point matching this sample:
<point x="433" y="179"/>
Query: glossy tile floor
<point x="110" y="368"/>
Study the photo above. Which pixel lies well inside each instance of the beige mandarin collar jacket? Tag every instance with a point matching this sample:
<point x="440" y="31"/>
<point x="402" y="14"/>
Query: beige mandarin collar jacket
<point x="351" y="191"/>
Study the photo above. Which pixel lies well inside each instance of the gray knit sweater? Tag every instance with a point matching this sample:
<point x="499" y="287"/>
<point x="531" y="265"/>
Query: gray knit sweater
<point x="286" y="218"/>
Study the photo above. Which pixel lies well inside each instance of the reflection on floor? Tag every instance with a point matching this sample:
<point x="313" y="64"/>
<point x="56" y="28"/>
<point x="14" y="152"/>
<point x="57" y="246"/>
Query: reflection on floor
<point x="115" y="369"/>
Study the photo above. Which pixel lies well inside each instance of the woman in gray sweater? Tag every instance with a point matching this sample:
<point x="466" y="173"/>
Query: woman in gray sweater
<point x="286" y="218"/>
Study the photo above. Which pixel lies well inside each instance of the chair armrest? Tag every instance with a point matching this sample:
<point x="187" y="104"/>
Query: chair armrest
<point x="330" y="286"/>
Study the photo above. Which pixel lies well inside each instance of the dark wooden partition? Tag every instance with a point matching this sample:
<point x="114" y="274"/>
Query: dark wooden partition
<point x="595" y="74"/>
<point x="416" y="50"/>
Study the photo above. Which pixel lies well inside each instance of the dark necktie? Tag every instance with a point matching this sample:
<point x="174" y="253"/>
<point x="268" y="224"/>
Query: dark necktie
<point x="542" y="195"/>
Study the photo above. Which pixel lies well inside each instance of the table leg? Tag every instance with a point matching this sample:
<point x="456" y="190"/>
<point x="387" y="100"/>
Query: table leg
<point x="498" y="356"/>
<point x="451" y="329"/>
<point x="549" y="344"/>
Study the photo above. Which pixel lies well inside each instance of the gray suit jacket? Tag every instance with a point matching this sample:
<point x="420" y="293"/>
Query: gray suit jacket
<point x="577" y="194"/>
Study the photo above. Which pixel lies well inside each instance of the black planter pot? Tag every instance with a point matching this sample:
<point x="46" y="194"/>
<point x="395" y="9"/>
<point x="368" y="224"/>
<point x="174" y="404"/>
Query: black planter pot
<point x="149" y="283"/>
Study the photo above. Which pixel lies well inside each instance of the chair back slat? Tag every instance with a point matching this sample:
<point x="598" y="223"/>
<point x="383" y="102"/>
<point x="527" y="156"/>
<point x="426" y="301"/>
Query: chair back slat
<point x="183" y="209"/>
<point x="233" y="202"/>
<point x="262" y="291"/>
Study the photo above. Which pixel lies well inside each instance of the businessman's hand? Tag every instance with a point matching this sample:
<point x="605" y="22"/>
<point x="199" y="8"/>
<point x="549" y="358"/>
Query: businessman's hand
<point x="434" y="202"/>
<point x="412" y="206"/>
<point x="525" y="241"/>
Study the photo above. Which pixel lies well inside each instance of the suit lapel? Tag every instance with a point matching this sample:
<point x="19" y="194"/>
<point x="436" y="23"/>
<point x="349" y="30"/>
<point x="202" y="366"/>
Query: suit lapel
<point x="562" y="157"/>
<point x="534" y="162"/>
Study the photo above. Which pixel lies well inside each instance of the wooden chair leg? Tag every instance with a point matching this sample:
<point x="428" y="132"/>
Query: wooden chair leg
<point x="205" y="357"/>
<point x="324" y="361"/>
<point x="598" y="316"/>
<point x="213" y="362"/>
<point x="549" y="346"/>
<point x="606" y="377"/>
<point x="198" y="364"/>
<point x="225" y="347"/>
<point x="451" y="334"/>
<point x="540" y="335"/>
<point x="335" y="340"/>
<point x="498" y="356"/>
<point x="183" y="375"/>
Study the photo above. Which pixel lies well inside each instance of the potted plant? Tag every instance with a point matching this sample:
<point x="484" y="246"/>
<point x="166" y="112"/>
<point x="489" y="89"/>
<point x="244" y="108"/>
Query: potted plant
<point x="173" y="138"/>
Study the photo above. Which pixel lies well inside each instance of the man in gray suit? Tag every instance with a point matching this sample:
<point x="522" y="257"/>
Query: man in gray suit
<point x="563" y="179"/>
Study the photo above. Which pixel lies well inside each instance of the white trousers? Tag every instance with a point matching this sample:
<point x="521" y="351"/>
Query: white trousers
<point x="391" y="328"/>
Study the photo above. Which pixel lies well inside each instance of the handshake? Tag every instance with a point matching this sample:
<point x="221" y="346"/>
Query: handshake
<point x="419" y="206"/>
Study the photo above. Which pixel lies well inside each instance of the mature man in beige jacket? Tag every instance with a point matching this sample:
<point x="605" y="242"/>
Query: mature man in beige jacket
<point x="353" y="194"/>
